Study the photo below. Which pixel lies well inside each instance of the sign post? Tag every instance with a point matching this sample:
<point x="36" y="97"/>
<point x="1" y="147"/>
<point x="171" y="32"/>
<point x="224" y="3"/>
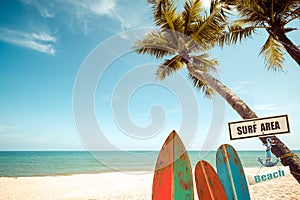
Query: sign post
<point x="259" y="127"/>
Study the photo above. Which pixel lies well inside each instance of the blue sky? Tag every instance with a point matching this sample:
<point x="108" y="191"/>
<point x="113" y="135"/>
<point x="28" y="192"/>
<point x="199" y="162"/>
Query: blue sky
<point x="46" y="45"/>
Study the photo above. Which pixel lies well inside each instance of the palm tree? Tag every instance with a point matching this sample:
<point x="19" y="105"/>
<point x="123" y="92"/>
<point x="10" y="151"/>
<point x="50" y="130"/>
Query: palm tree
<point x="184" y="37"/>
<point x="271" y="15"/>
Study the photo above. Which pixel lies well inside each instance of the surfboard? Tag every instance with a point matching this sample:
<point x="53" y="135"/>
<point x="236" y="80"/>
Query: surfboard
<point x="208" y="184"/>
<point x="231" y="173"/>
<point x="173" y="178"/>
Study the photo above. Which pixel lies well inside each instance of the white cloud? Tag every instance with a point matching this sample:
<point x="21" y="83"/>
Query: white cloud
<point x="45" y="10"/>
<point x="89" y="8"/>
<point x="88" y="12"/>
<point x="39" y="41"/>
<point x="240" y="86"/>
<point x="132" y="17"/>
<point x="104" y="7"/>
<point x="266" y="107"/>
<point x="43" y="36"/>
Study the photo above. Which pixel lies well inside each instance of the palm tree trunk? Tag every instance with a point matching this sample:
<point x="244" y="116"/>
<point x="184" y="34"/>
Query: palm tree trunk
<point x="292" y="49"/>
<point x="280" y="150"/>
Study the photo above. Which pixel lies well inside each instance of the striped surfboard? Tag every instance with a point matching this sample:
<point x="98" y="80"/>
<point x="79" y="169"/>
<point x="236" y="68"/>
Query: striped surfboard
<point x="173" y="179"/>
<point x="231" y="173"/>
<point x="208" y="184"/>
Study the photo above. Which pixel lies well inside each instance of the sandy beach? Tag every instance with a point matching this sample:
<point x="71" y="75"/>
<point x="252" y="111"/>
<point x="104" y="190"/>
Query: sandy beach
<point x="121" y="185"/>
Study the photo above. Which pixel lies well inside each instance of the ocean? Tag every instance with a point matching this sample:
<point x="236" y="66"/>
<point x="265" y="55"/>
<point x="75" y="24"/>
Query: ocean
<point x="51" y="163"/>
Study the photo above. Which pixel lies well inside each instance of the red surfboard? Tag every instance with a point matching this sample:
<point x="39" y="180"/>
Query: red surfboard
<point x="173" y="179"/>
<point x="208" y="184"/>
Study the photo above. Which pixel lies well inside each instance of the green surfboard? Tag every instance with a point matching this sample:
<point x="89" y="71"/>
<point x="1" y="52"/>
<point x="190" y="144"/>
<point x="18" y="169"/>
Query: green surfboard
<point x="231" y="173"/>
<point x="173" y="179"/>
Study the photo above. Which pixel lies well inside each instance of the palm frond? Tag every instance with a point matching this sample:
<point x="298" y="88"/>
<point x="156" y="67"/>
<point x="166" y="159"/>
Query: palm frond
<point x="236" y="33"/>
<point x="204" y="63"/>
<point x="273" y="16"/>
<point x="210" y="27"/>
<point x="272" y="51"/>
<point x="266" y="11"/>
<point x="169" y="67"/>
<point x="155" y="43"/>
<point x="291" y="14"/>
<point x="165" y="15"/>
<point x="202" y="86"/>
<point x="191" y="13"/>
<point x="158" y="5"/>
<point x="253" y="10"/>
<point x="193" y="46"/>
<point x="286" y="7"/>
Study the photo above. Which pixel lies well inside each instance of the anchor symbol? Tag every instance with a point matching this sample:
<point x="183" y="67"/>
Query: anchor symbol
<point x="268" y="162"/>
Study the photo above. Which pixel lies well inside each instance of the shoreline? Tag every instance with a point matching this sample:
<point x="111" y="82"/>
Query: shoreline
<point x="75" y="174"/>
<point x="121" y="185"/>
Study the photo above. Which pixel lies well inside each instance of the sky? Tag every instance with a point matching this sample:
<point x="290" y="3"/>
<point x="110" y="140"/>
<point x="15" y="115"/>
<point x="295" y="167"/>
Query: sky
<point x="69" y="80"/>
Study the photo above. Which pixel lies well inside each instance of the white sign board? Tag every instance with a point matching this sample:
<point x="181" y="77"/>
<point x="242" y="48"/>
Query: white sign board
<point x="259" y="127"/>
<point x="274" y="173"/>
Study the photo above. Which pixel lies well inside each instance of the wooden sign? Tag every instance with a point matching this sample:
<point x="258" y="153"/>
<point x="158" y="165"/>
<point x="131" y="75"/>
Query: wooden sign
<point x="259" y="127"/>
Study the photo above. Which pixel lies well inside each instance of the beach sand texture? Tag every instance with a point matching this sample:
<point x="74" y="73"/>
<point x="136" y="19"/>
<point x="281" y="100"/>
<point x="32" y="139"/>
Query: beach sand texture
<point x="120" y="186"/>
